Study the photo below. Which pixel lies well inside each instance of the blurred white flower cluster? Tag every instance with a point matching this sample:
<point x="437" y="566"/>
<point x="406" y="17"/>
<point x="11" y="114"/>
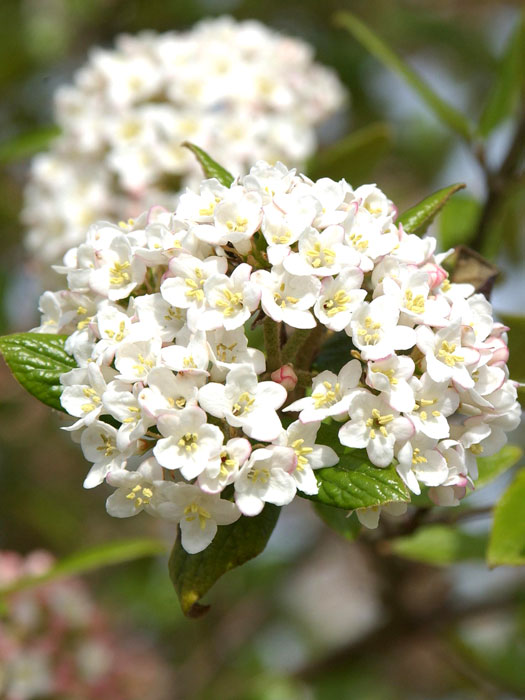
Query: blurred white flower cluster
<point x="56" y="642"/>
<point x="239" y="90"/>
<point x="172" y="403"/>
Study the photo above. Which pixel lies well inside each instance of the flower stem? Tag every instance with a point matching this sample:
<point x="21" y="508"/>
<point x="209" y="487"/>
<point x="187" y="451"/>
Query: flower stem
<point x="271" y="344"/>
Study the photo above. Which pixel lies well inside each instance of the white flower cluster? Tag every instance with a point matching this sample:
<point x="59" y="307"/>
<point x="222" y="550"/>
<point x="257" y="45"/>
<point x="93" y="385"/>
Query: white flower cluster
<point x="240" y="90"/>
<point x="173" y="405"/>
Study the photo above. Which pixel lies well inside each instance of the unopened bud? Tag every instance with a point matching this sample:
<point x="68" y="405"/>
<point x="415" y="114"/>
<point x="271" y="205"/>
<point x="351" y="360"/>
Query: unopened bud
<point x="285" y="376"/>
<point x="436" y="275"/>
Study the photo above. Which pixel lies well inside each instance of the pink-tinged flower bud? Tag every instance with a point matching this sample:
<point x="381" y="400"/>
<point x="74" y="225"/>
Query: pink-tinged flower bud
<point x="285" y="376"/>
<point x="436" y="274"/>
<point x="500" y="351"/>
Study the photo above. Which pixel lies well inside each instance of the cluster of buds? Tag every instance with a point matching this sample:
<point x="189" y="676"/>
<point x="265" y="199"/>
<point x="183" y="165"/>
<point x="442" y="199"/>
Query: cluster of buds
<point x="173" y="400"/>
<point x="238" y="89"/>
<point x="55" y="642"/>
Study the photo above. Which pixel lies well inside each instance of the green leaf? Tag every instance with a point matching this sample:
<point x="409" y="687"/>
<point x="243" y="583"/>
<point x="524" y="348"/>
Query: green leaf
<point x="491" y="467"/>
<point x="458" y="220"/>
<point x="354" y="482"/>
<point x="505" y="93"/>
<point x="343" y="523"/>
<point x="354" y="156"/>
<point x="210" y="167"/>
<point x="194" y="574"/>
<point x="26" y="145"/>
<point x="377" y="47"/>
<point x="507" y="539"/>
<point x="37" y="360"/>
<point x="419" y="217"/>
<point x="440" y="545"/>
<point x="89" y="560"/>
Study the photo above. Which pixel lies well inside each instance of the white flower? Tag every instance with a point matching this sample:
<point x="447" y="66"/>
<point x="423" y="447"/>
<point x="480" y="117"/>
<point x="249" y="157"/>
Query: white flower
<point x="374" y="426"/>
<point x="374" y="329"/>
<point x="216" y="477"/>
<point x="185" y="289"/>
<point x="266" y="478"/>
<point x="320" y="254"/>
<point x="99" y="445"/>
<point x="434" y="402"/>
<point x="118" y="271"/>
<point x="445" y="357"/>
<point x="286" y="297"/>
<point x="135" y="360"/>
<point x="230" y="348"/>
<point x="235" y="219"/>
<point x="189" y="443"/>
<point x="331" y="394"/>
<point x="338" y="298"/>
<point x="192" y="359"/>
<point x="167" y="392"/>
<point x="245" y="403"/>
<point x="136" y="491"/>
<point x="390" y="376"/>
<point x="82" y="393"/>
<point x="197" y="513"/>
<point x="301" y="438"/>
<point x="121" y="401"/>
<point x="164" y="320"/>
<point x="231" y="299"/>
<point x="421" y="462"/>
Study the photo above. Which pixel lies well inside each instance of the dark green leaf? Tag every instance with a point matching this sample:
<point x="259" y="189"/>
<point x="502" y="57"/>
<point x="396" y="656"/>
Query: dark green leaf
<point x="507" y="539"/>
<point x="91" y="559"/>
<point x="26" y="145"/>
<point x="457" y="223"/>
<point x="194" y="574"/>
<point x="491" y="467"/>
<point x="440" y="545"/>
<point x="354" y="482"/>
<point x="37" y="360"/>
<point x="418" y="218"/>
<point x="354" y="157"/>
<point x="210" y="167"/>
<point x="377" y="47"/>
<point x="345" y="524"/>
<point x="504" y="95"/>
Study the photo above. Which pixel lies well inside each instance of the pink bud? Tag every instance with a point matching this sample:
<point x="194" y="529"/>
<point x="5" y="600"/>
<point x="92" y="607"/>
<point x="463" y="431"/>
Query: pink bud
<point x="436" y="274"/>
<point x="285" y="376"/>
<point x="500" y="351"/>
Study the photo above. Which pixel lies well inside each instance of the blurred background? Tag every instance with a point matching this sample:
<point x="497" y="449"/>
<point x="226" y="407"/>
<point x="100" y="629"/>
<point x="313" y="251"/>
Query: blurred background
<point x="316" y="616"/>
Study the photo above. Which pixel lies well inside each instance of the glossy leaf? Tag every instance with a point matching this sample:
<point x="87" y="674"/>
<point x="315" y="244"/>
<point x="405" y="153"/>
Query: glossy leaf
<point x="89" y="560"/>
<point x="418" y="218"/>
<point x="26" y="145"/>
<point x="210" y="167"/>
<point x="507" y="539"/>
<point x="504" y="95"/>
<point x="345" y="524"/>
<point x="440" y="545"/>
<point x="491" y="467"/>
<point x="354" y="157"/>
<point x="377" y="47"/>
<point x="354" y="482"/>
<point x="194" y="574"/>
<point x="37" y="360"/>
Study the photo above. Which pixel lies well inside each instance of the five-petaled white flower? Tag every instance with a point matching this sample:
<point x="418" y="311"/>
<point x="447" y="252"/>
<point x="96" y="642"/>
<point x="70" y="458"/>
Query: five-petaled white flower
<point x="198" y="514"/>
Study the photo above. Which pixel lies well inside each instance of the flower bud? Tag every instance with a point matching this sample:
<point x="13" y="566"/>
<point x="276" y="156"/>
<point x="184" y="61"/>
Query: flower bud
<point x="285" y="376"/>
<point x="500" y="351"/>
<point x="436" y="274"/>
